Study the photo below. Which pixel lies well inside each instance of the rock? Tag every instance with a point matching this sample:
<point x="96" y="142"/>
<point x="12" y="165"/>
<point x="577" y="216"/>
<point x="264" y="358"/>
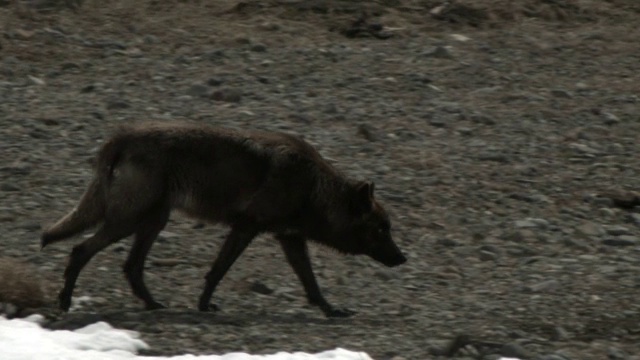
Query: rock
<point x="487" y="256"/>
<point x="117" y="104"/>
<point x="590" y="229"/>
<point x="616" y="354"/>
<point x="198" y="90"/>
<point x="483" y="119"/>
<point x="560" y="93"/>
<point x="17" y="168"/>
<point x="216" y="56"/>
<point x="9" y="186"/>
<point x="609" y="118"/>
<point x="515" y="350"/>
<point x="88" y="88"/>
<point x="584" y="149"/>
<point x="552" y="357"/>
<point x="543" y="286"/>
<point x="465" y="131"/>
<point x="437" y="122"/>
<point x="440" y="52"/>
<point x="150" y="39"/>
<point x="624" y="240"/>
<point x="36" y="80"/>
<point x="260" y="288"/>
<point x="258" y="48"/>
<point x="616" y="230"/>
<point x="214" y="81"/>
<point x="521" y="235"/>
<point x="367" y="132"/>
<point x="166" y="262"/>
<point x="31" y="226"/>
<point x="69" y="65"/>
<point x="606" y="212"/>
<point x="269" y="26"/>
<point x="577" y="243"/>
<point x="447" y="242"/>
<point x="560" y="334"/>
<point x="227" y="95"/>
<point x="495" y="157"/>
<point x="9" y="310"/>
<point x="531" y="223"/>
<point x="521" y="251"/>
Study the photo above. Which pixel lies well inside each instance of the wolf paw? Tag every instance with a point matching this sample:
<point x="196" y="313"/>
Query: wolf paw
<point x="154" y="306"/>
<point x="64" y="302"/>
<point x="338" y="313"/>
<point x="208" y="307"/>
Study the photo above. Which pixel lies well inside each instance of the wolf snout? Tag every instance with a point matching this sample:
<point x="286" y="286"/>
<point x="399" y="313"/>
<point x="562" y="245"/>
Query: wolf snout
<point x="397" y="260"/>
<point x="390" y="259"/>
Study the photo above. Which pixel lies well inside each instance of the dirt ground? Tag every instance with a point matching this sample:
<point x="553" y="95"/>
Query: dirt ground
<point x="502" y="136"/>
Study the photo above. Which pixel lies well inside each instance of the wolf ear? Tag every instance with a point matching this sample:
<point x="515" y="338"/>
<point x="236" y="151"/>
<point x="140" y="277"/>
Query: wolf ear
<point x="364" y="196"/>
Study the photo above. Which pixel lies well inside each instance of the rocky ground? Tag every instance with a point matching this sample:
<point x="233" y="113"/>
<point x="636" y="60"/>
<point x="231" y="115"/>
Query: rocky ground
<point x="503" y="138"/>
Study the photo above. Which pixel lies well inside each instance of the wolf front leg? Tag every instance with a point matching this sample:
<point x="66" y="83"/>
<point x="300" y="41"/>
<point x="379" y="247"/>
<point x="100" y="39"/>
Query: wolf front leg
<point x="295" y="249"/>
<point x="237" y="240"/>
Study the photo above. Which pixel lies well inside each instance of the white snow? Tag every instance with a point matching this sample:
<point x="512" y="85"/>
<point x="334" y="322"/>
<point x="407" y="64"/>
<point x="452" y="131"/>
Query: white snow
<point x="25" y="339"/>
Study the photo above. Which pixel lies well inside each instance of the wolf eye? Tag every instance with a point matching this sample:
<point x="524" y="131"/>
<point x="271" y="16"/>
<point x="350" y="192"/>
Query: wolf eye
<point x="383" y="229"/>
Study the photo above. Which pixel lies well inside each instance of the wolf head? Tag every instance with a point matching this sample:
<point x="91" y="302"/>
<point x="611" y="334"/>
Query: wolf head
<point x="366" y="228"/>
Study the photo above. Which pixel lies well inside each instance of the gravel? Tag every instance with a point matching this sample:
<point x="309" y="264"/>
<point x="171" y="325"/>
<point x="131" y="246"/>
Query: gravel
<point x="494" y="148"/>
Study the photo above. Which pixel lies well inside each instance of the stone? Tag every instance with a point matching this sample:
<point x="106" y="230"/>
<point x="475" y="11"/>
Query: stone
<point x="198" y="90"/>
<point x="616" y="230"/>
<point x="623" y="240"/>
<point x="589" y="229"/>
<point x="258" y="48"/>
<point x="227" y="95"/>
<point x="543" y="286"/>
<point x="561" y="93"/>
<point x="440" y="52"/>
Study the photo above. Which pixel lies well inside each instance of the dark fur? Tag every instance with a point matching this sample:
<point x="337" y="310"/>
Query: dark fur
<point x="252" y="181"/>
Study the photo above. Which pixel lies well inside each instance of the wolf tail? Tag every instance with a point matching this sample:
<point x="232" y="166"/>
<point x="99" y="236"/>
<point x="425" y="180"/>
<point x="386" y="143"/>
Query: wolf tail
<point x="92" y="206"/>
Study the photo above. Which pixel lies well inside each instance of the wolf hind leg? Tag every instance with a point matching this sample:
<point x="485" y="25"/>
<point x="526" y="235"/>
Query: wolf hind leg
<point x="133" y="198"/>
<point x="134" y="266"/>
<point x="82" y="253"/>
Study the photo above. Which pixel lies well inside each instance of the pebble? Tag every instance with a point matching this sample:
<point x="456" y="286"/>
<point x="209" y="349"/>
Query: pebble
<point x="440" y="52"/>
<point x="227" y="95"/>
<point x="531" y="223"/>
<point x="616" y="230"/>
<point x="560" y="334"/>
<point x="166" y="262"/>
<point x="616" y="354"/>
<point x="198" y="90"/>
<point x="483" y="119"/>
<point x="7" y="186"/>
<point x="543" y="287"/>
<point x="560" y="93"/>
<point x="487" y="256"/>
<point x="590" y="229"/>
<point x="447" y="242"/>
<point x="609" y="118"/>
<point x="261" y="288"/>
<point x="117" y="104"/>
<point x="258" y="48"/>
<point x="515" y="350"/>
<point x="624" y="240"/>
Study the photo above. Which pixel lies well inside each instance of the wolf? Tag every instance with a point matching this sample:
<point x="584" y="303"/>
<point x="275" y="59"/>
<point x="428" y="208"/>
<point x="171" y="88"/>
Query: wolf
<point x="252" y="181"/>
